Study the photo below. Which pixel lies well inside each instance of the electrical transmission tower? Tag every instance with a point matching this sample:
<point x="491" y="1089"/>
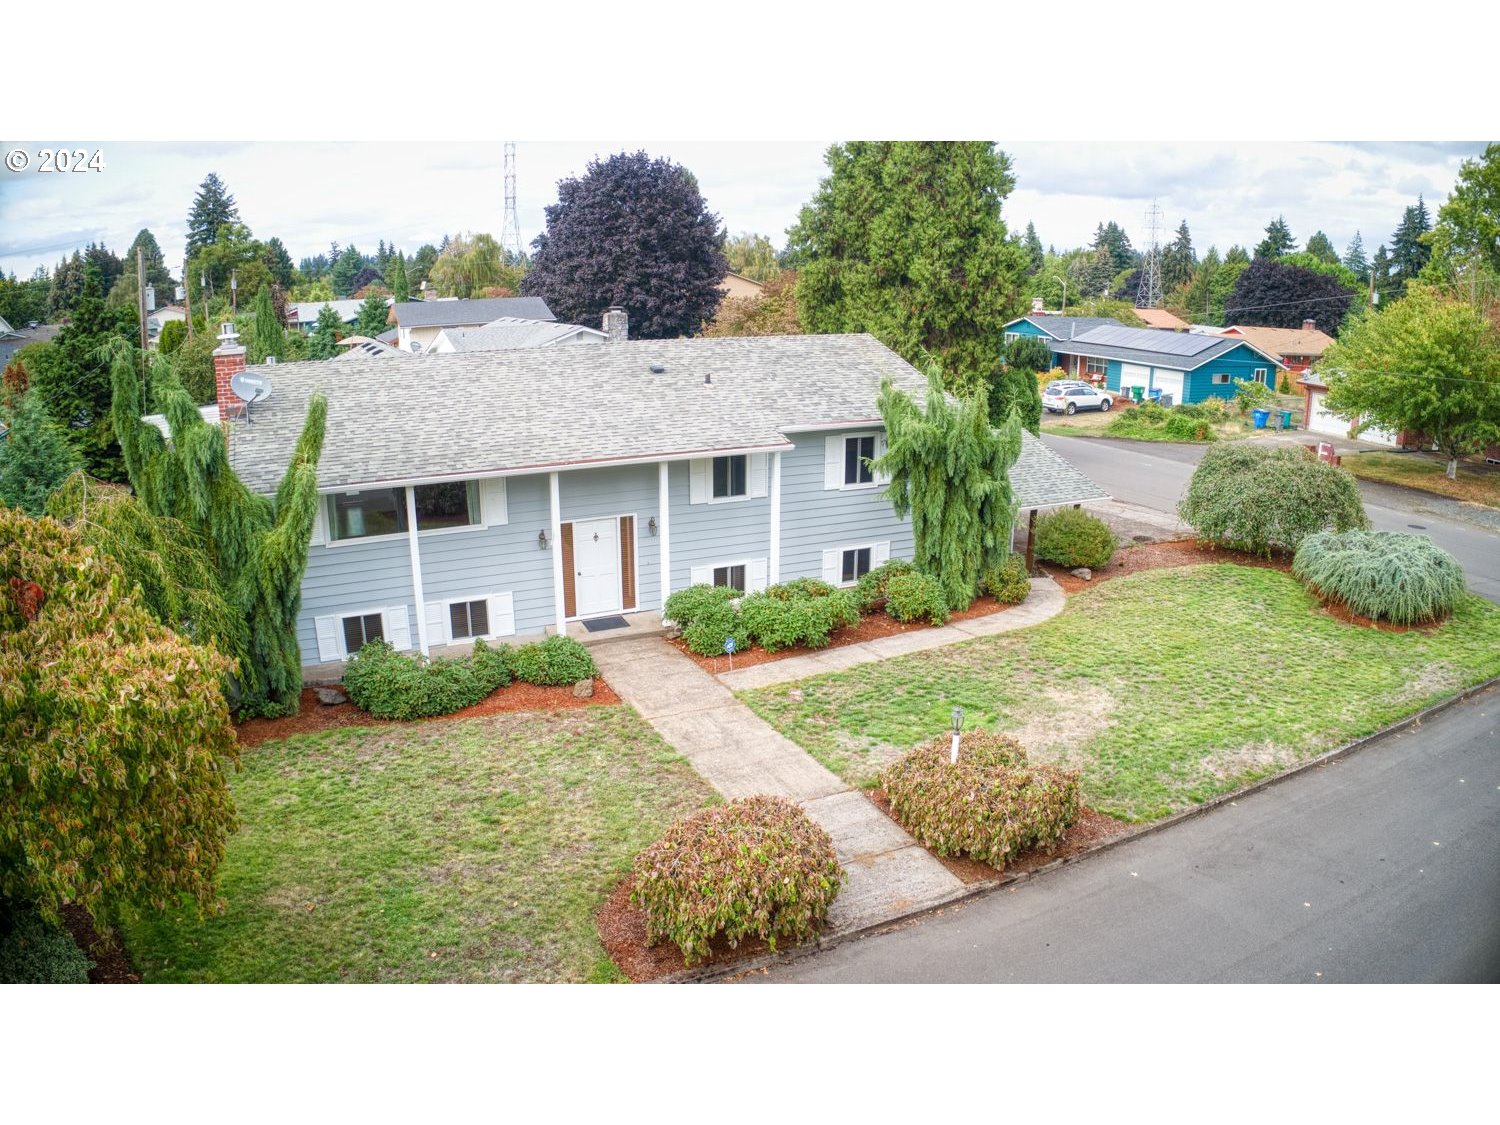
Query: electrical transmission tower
<point x="510" y="234"/>
<point x="1148" y="295"/>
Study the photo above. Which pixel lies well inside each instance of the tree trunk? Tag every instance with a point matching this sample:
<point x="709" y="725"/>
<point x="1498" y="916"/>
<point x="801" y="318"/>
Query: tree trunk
<point x="1453" y="468"/>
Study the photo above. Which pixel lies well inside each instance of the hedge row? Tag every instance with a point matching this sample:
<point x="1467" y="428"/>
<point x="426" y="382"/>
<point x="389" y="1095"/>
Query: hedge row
<point x="394" y="685"/>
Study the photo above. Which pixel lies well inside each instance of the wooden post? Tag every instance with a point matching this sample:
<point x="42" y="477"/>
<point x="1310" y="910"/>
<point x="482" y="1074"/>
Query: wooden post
<point x="1031" y="541"/>
<point x="187" y="292"/>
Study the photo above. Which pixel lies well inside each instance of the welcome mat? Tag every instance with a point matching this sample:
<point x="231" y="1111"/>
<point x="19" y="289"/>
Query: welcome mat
<point x="599" y="624"/>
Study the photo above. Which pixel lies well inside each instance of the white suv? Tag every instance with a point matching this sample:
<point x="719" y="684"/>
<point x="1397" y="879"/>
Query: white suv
<point x="1073" y="397"/>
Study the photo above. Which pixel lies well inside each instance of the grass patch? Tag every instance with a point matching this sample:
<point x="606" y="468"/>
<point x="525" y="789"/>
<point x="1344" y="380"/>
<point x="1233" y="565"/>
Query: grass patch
<point x="474" y="850"/>
<point x="1418" y="470"/>
<point x="1164" y="688"/>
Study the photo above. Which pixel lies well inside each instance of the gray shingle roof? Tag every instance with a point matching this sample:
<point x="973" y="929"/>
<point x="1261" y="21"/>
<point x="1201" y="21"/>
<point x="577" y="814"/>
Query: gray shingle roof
<point x="1178" y="351"/>
<point x="1067" y="327"/>
<point x="446" y="314"/>
<point x="1041" y="478"/>
<point x="23" y="336"/>
<point x="515" y="332"/>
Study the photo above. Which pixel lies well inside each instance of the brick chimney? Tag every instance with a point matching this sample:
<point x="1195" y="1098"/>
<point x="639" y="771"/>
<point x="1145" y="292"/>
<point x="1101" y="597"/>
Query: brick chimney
<point x="229" y="361"/>
<point x="616" y="324"/>
<point x="1309" y="326"/>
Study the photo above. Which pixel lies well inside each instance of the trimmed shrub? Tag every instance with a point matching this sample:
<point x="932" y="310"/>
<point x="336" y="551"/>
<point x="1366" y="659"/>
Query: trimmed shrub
<point x="870" y="591"/>
<point x="1008" y="582"/>
<point x="1259" y="498"/>
<point x="687" y="606"/>
<point x="797" y="613"/>
<point x="757" y="867"/>
<point x="991" y="806"/>
<point x="392" y="685"/>
<point x="914" y="596"/>
<point x="711" y="628"/>
<point x="1153" y="422"/>
<point x="557" y="660"/>
<point x="1384" y="575"/>
<point x="35" y="951"/>
<point x="1071" y="537"/>
<point x="1251" y="395"/>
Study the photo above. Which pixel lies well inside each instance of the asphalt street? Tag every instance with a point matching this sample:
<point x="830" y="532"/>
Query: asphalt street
<point x="1156" y="476"/>
<point x="1379" y="867"/>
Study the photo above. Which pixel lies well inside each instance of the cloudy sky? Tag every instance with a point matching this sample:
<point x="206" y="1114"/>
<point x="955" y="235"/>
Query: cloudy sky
<point x="310" y="194"/>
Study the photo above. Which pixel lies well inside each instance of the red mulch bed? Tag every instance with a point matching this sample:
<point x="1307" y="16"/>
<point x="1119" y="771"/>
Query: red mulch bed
<point x="1154" y="556"/>
<point x="111" y="965"/>
<point x="313" y="715"/>
<point x="1335" y="608"/>
<point x="871" y="627"/>
<point x="622" y="929"/>
<point x="1090" y="829"/>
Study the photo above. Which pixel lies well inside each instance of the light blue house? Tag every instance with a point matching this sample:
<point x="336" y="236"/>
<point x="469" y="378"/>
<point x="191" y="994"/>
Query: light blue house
<point x="513" y="493"/>
<point x="1184" y="366"/>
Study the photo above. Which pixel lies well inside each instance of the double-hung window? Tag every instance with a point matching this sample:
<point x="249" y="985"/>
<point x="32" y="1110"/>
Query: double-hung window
<point x="469" y="619"/>
<point x="360" y="629"/>
<point x="732" y="577"/>
<point x="858" y="451"/>
<point x="856" y="564"/>
<point x="730" y="478"/>
<point x="1260" y="374"/>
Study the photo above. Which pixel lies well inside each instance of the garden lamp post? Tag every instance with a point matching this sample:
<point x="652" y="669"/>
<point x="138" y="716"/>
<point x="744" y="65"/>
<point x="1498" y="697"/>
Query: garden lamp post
<point x="958" y="726"/>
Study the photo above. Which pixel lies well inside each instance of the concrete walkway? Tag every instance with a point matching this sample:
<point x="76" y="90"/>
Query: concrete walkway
<point x="1045" y="600"/>
<point x="887" y="874"/>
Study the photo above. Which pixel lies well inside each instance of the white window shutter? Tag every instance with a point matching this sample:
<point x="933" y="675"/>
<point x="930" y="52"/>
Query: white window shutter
<point x="881" y="478"/>
<point x="502" y="615"/>
<point x="494" y="508"/>
<point x="832" y="571"/>
<point x="437" y="623"/>
<point x="397" y="628"/>
<point x="701" y="576"/>
<point x="700" y="480"/>
<point x="833" y="463"/>
<point x="755" y="576"/>
<point x="320" y="524"/>
<point x="755" y="469"/>
<point x="881" y="554"/>
<point x="328" y="638"/>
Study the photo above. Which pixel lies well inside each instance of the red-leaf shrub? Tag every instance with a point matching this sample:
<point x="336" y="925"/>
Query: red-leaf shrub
<point x="757" y="867"/>
<point x="991" y="806"/>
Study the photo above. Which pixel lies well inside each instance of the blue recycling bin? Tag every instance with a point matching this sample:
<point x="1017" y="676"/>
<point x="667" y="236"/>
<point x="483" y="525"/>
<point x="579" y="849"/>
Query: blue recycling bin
<point x="1260" y="417"/>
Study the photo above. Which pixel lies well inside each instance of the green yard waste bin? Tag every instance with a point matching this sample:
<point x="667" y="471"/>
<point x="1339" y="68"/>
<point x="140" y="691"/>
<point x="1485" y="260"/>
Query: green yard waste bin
<point x="1137" y="393"/>
<point x="1286" y="419"/>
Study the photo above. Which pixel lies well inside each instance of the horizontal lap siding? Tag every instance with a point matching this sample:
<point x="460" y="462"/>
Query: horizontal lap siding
<point x="349" y="577"/>
<point x="500" y="559"/>
<point x="1239" y="363"/>
<point x="814" y="520"/>
<point x="709" y="534"/>
<point x="630" y="490"/>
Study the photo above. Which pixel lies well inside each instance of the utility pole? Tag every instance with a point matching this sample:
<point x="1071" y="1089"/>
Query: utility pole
<point x="187" y="291"/>
<point x="140" y="305"/>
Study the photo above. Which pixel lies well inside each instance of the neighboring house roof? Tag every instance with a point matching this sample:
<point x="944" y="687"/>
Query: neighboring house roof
<point x="1040" y="478"/>
<point x="18" y="339"/>
<point x="1177" y="351"/>
<point x="363" y="345"/>
<point x="209" y="414"/>
<point x="738" y="285"/>
<point x="1161" y="318"/>
<point x="306" y="312"/>
<point x="389" y="336"/>
<point x="459" y="313"/>
<point x="1067" y="327"/>
<point x="6" y="329"/>
<point x="1283" y="341"/>
<point x="514" y="332"/>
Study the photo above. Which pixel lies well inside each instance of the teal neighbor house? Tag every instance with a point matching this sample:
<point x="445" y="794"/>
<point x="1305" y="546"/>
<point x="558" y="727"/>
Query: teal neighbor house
<point x="1177" y="367"/>
<point x="524" y="492"/>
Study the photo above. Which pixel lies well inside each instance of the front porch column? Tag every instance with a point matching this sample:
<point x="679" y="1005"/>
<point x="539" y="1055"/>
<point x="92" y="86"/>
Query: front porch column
<point x="775" y="564"/>
<point x="1031" y="542"/>
<point x="664" y="530"/>
<point x="560" y="612"/>
<point x="416" y="567"/>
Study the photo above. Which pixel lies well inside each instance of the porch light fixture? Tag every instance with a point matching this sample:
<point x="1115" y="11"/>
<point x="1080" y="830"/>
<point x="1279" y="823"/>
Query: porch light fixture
<point x="958" y="726"/>
<point x="651" y="525"/>
<point x="541" y="540"/>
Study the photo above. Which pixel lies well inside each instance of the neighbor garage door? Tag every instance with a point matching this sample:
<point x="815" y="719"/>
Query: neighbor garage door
<point x="1322" y="421"/>
<point x="1168" y="383"/>
<point x="1134" y="375"/>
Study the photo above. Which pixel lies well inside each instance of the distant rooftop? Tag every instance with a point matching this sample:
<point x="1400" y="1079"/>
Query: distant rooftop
<point x="459" y="313"/>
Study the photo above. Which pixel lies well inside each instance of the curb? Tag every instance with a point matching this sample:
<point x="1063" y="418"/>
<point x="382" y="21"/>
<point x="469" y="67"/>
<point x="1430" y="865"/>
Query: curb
<point x="710" y="974"/>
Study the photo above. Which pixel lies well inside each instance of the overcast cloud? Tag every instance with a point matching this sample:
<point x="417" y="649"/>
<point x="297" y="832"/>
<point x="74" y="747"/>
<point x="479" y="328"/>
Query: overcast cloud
<point x="310" y="194"/>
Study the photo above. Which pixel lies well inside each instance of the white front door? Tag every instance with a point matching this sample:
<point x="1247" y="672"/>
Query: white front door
<point x="596" y="566"/>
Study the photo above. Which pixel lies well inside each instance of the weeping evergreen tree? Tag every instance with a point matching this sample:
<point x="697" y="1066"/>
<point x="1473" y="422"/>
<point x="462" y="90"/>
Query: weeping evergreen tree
<point x="258" y="545"/>
<point x="268" y="337"/>
<point x="950" y="470"/>
<point x="164" y="560"/>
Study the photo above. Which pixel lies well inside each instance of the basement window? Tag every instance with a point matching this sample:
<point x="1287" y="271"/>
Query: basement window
<point x="360" y="630"/>
<point x="856" y="564"/>
<point x="732" y="577"/>
<point x="469" y="619"/>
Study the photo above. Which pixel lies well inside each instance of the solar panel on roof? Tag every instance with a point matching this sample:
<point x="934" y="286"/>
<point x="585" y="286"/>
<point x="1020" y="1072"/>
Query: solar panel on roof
<point x="1151" y="340"/>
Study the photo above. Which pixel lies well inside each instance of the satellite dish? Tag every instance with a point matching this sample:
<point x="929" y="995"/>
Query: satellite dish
<point x="250" y="386"/>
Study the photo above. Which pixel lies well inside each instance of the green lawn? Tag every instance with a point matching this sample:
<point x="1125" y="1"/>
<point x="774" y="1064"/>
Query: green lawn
<point x="1428" y="472"/>
<point x="1165" y="688"/>
<point x="473" y="850"/>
